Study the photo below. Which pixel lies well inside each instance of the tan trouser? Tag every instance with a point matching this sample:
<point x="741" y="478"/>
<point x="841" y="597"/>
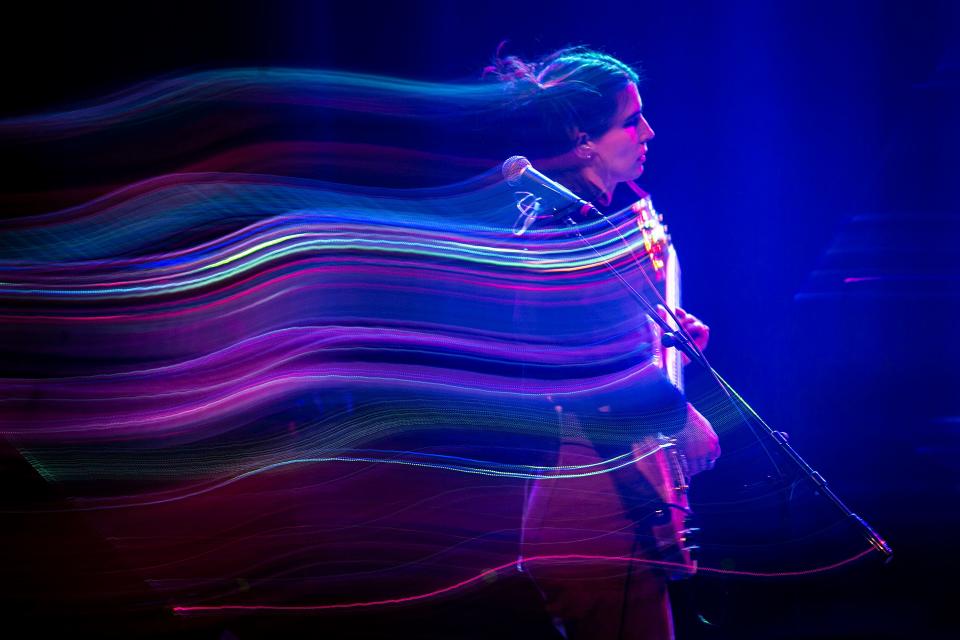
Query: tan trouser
<point x="609" y="600"/>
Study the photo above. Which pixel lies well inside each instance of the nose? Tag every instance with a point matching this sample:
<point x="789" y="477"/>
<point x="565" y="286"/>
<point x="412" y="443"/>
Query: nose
<point x="646" y="131"/>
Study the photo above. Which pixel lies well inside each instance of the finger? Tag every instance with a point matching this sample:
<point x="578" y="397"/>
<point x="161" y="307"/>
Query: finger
<point x="695" y="329"/>
<point x="680" y="312"/>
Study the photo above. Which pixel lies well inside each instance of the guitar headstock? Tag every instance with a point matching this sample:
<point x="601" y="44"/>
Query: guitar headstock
<point x="654" y="234"/>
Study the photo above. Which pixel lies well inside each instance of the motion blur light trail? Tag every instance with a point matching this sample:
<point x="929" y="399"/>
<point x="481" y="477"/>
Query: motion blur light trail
<point x="187" y="395"/>
<point x="404" y="458"/>
<point x="485" y="575"/>
<point x="270" y="388"/>
<point x="321" y="89"/>
<point x="385" y="293"/>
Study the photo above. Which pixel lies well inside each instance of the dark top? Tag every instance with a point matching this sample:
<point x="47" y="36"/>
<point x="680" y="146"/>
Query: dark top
<point x="594" y="334"/>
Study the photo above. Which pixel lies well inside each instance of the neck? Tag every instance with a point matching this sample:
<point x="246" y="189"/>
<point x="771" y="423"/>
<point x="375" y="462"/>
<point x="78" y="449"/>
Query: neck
<point x="605" y="191"/>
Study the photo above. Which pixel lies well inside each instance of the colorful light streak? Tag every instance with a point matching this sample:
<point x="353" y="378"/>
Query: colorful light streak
<point x="210" y="342"/>
<point x="481" y="468"/>
<point x="484" y="576"/>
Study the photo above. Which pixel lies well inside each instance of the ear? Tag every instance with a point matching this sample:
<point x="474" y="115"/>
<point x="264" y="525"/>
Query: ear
<point x="583" y="147"/>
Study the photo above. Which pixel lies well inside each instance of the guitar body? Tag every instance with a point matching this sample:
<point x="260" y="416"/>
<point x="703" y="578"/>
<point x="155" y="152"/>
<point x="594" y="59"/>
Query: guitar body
<point x="660" y="464"/>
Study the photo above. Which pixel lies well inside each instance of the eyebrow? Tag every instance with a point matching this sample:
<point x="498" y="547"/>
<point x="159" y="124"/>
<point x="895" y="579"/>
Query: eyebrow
<point x="634" y="114"/>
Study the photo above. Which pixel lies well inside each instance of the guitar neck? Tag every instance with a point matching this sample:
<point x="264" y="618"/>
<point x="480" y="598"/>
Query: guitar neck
<point x="672" y="359"/>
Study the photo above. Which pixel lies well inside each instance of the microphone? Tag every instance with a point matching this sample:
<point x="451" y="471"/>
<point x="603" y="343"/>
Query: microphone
<point x="518" y="172"/>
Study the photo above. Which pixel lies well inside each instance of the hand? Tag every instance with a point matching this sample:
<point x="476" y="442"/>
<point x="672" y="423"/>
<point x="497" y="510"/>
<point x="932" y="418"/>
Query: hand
<point x="697" y="329"/>
<point x="698" y="443"/>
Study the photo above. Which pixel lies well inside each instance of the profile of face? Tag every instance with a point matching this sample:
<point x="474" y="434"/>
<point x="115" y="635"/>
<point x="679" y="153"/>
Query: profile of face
<point x="618" y="155"/>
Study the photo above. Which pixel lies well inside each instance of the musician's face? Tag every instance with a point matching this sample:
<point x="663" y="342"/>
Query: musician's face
<point x="619" y="154"/>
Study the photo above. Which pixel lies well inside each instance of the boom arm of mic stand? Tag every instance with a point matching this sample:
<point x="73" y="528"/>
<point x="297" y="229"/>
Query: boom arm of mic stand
<point x="681" y="340"/>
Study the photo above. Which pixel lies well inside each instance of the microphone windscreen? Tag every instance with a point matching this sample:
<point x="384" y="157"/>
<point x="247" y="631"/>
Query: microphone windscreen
<point x="513" y="168"/>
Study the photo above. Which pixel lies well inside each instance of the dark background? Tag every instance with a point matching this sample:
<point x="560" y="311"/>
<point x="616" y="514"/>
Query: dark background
<point x="798" y="144"/>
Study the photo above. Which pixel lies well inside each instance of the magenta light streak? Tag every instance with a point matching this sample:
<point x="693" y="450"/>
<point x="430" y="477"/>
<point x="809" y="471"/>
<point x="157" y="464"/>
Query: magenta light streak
<point x="188" y="610"/>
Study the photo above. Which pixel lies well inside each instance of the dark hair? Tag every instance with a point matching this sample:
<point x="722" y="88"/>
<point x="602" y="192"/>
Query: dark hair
<point x="573" y="89"/>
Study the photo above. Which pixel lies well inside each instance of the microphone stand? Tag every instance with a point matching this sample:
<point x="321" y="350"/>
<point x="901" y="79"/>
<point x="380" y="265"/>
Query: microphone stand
<point x="681" y="340"/>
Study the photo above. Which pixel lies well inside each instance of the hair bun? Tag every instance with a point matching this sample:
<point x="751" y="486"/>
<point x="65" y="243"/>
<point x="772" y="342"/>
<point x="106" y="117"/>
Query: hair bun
<point x="510" y="68"/>
<point x="518" y="76"/>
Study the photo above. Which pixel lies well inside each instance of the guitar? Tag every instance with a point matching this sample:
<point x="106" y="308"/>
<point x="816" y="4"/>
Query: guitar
<point x="658" y="458"/>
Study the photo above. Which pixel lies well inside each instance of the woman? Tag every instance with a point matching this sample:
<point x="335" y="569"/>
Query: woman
<point x="579" y="116"/>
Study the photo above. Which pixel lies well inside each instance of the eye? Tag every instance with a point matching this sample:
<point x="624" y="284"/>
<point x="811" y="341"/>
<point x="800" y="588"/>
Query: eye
<point x="632" y="121"/>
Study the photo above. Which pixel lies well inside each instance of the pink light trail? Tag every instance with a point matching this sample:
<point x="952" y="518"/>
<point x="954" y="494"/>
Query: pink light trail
<point x="213" y="609"/>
